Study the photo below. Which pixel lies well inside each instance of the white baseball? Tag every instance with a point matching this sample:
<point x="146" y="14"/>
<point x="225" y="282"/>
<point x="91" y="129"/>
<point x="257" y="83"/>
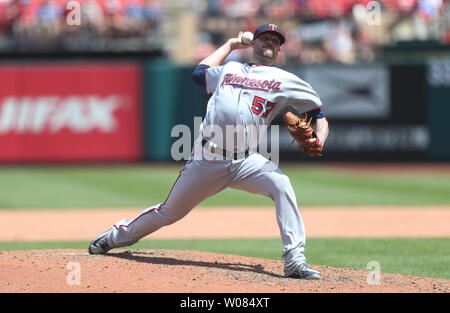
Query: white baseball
<point x="246" y="38"/>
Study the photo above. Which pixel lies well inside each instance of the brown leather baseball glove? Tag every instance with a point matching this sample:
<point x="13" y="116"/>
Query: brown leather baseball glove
<point x="302" y="132"/>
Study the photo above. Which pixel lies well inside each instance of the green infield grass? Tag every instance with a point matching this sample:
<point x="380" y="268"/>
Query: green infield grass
<point x="61" y="187"/>
<point x="144" y="185"/>
<point x="406" y="256"/>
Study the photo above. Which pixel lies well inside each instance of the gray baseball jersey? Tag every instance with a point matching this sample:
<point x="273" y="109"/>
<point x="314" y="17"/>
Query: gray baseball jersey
<point x="251" y="95"/>
<point x="246" y="95"/>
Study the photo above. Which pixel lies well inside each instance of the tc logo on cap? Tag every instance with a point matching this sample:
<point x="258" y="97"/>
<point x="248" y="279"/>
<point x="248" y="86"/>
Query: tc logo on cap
<point x="271" y="28"/>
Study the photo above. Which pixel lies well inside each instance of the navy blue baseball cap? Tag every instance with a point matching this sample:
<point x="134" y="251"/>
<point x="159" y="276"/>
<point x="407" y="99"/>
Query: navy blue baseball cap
<point x="270" y="28"/>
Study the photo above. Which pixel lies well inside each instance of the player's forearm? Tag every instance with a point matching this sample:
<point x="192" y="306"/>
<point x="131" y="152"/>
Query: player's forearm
<point x="218" y="56"/>
<point x="322" y="129"/>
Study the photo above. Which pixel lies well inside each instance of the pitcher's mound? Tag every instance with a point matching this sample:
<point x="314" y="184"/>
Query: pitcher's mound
<point x="177" y="271"/>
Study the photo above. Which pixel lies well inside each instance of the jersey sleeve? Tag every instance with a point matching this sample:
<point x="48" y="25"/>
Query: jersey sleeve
<point x="302" y="96"/>
<point x="207" y="77"/>
<point x="198" y="76"/>
<point x="212" y="76"/>
<point x="314" y="114"/>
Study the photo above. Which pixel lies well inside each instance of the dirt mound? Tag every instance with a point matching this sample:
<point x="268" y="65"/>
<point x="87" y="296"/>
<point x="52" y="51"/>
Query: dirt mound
<point x="176" y="271"/>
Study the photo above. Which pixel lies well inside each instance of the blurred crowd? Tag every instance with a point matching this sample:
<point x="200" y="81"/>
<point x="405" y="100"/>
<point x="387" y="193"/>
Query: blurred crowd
<point x="344" y="31"/>
<point x="42" y="23"/>
<point x="318" y="31"/>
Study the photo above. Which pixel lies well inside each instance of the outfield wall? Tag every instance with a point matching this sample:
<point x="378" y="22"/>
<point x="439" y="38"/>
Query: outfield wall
<point x="103" y="111"/>
<point x="70" y="112"/>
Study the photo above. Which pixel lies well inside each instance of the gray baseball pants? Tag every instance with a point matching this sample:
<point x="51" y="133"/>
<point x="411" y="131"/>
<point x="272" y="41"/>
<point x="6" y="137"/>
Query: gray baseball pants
<point x="201" y="178"/>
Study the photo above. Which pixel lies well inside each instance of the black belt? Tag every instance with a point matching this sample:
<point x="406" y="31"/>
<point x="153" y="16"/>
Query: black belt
<point x="225" y="153"/>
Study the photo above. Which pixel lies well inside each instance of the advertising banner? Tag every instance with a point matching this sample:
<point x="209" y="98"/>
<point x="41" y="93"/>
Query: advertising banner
<point x="352" y="92"/>
<point x="375" y="112"/>
<point x="438" y="107"/>
<point x="70" y="112"/>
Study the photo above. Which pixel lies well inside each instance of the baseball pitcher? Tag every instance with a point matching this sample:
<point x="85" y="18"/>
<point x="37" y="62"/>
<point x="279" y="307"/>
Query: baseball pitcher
<point x="245" y="98"/>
